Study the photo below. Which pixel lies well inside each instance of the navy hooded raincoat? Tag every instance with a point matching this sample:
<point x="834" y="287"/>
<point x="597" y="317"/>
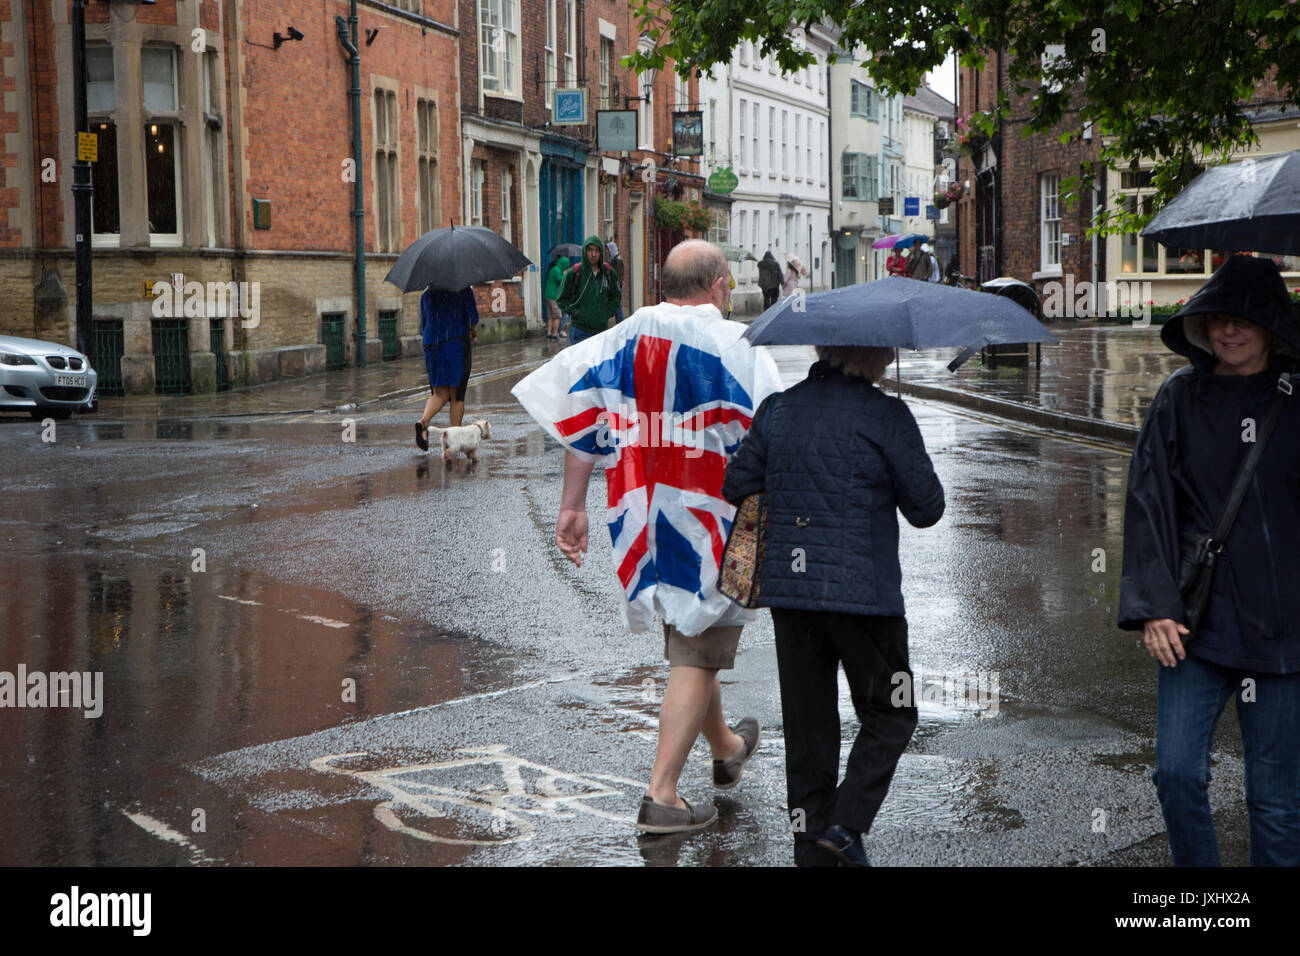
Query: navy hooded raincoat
<point x="1184" y="464"/>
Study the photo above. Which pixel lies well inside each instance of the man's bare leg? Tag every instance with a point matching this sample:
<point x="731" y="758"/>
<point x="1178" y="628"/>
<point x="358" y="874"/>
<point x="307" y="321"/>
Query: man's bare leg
<point x="692" y="698"/>
<point x="457" y="413"/>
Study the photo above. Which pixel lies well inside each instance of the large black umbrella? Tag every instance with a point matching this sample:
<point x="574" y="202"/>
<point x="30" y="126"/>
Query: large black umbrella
<point x="454" y="258"/>
<point x="897" y="313"/>
<point x="1250" y="206"/>
<point x="570" y="250"/>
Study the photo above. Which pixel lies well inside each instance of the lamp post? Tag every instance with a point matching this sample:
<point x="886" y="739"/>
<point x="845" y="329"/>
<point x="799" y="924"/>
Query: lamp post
<point x="81" y="184"/>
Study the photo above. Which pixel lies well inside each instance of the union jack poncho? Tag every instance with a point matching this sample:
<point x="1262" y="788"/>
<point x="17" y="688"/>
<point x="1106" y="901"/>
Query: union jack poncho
<point x="662" y="401"/>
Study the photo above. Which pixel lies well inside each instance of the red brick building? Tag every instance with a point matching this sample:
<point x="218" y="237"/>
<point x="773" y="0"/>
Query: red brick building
<point x="1011" y="220"/>
<point x="225" y="159"/>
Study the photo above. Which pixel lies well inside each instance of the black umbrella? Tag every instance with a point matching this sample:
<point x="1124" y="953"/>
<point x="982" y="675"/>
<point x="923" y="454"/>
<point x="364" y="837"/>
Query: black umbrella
<point x="454" y="258"/>
<point x="569" y="250"/>
<point x="1250" y="206"/>
<point x="897" y="313"/>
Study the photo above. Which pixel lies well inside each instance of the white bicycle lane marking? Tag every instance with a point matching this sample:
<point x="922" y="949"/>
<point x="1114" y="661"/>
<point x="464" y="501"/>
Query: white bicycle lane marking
<point x="509" y="808"/>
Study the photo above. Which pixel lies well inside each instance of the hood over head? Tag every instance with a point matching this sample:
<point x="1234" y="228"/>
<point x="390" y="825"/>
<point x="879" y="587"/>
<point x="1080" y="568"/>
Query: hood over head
<point x="562" y="262"/>
<point x="596" y="241"/>
<point x="1245" y="286"/>
<point x="768" y="255"/>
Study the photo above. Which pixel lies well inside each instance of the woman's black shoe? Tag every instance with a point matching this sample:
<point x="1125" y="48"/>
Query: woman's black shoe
<point x="421" y="437"/>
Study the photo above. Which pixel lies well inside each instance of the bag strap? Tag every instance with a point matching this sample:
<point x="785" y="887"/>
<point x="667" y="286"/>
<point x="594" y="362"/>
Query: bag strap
<point x="1247" y="470"/>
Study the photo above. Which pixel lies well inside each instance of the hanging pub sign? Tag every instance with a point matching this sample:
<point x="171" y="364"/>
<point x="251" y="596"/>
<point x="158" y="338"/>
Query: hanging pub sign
<point x="886" y="205"/>
<point x="615" y="130"/>
<point x="570" y="107"/>
<point x="688" y="133"/>
<point x="932" y="212"/>
<point x="723" y="181"/>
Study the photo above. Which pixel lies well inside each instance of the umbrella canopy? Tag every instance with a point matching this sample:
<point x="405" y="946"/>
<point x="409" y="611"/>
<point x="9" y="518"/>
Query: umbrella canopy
<point x="735" y="253"/>
<point x="886" y="242"/>
<point x="793" y="260"/>
<point x="1251" y="206"/>
<point x="570" y="250"/>
<point x="897" y="313"/>
<point x="454" y="258"/>
<point x="905" y="242"/>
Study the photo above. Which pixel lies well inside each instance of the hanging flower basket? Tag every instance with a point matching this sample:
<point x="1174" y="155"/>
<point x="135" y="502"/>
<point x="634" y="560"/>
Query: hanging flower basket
<point x="941" y="200"/>
<point x="680" y="216"/>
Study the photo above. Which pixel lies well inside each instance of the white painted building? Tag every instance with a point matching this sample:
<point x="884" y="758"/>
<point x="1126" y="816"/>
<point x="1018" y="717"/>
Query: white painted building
<point x="777" y="143"/>
<point x="867" y="165"/>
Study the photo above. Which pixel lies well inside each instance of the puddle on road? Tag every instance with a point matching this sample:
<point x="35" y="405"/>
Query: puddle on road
<point x="193" y="664"/>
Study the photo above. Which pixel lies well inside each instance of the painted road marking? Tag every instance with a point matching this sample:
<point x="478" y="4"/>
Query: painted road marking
<point x="165" y="833"/>
<point x="309" y="618"/>
<point x="502" y="814"/>
<point x="231" y="597"/>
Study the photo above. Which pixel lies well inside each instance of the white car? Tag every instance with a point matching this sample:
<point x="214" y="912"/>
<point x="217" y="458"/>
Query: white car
<point x="45" y="378"/>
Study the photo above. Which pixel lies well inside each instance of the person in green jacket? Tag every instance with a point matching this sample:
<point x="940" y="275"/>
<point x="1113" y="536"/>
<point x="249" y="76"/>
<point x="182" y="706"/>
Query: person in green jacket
<point x="590" y="293"/>
<point x="554" y="280"/>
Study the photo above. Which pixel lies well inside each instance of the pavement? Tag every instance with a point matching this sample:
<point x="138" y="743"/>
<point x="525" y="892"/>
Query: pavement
<point x="1097" y="382"/>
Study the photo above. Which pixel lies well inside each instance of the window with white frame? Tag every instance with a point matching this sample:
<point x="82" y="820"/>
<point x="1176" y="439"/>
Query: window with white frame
<point x="1053" y="55"/>
<point x="387" y="208"/>
<point x="681" y="94"/>
<point x="798" y="152"/>
<point x="507" y="196"/>
<point x="742" y="52"/>
<point x="1050" y="215"/>
<point x="862" y="101"/>
<point x="744" y="146"/>
<point x="162" y="145"/>
<point x="753" y="233"/>
<point x="772" y="239"/>
<point x="606" y="57"/>
<point x="549" y="54"/>
<point x="719" y="225"/>
<point x="426" y="138"/>
<point x="713" y="133"/>
<point x="858" y="177"/>
<point x="753" y="142"/>
<point x="741" y="231"/>
<point x="214" y="203"/>
<point x="570" y="42"/>
<point x="476" y="193"/>
<point x="607" y="194"/>
<point x="821" y="152"/>
<point x="771" y="141"/>
<point x="1142" y="256"/>
<point x="807" y="145"/>
<point x="785" y="143"/>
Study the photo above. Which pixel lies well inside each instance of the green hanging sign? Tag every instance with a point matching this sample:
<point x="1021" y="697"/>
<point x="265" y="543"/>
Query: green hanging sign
<point x="723" y="181"/>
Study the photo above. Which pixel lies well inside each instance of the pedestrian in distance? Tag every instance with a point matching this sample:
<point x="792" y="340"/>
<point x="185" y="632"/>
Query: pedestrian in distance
<point x="896" y="264"/>
<point x="590" y="293"/>
<point x="934" y="274"/>
<point x="447" y="321"/>
<point x="661" y="400"/>
<point x="554" y="280"/>
<point x="918" y="266"/>
<point x="837" y="458"/>
<point x="791" y="284"/>
<point x="1240" y="334"/>
<point x="769" y="279"/>
<point x="616" y="263"/>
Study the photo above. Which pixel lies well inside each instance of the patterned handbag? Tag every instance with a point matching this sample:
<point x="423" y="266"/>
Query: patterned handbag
<point x="742" y="558"/>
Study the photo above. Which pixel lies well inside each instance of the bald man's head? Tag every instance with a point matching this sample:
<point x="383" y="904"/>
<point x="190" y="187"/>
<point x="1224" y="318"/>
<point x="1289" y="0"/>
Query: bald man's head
<point x="691" y="271"/>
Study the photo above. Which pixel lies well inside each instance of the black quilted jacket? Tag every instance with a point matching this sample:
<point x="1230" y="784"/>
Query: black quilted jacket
<point x="837" y="459"/>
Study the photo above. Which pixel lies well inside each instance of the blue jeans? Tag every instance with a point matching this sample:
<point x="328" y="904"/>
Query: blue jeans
<point x="576" y="334"/>
<point x="1190" y="700"/>
<point x="618" y="316"/>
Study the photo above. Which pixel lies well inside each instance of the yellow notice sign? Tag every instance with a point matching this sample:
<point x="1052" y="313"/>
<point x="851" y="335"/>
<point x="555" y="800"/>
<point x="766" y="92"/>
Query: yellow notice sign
<point x="87" y="148"/>
<point x="147" y="290"/>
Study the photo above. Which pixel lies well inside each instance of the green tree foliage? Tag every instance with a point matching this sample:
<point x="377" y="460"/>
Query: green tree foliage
<point x="1165" y="79"/>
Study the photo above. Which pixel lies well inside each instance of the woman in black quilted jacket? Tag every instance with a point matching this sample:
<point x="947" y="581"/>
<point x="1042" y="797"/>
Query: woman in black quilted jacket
<point x="837" y="459"/>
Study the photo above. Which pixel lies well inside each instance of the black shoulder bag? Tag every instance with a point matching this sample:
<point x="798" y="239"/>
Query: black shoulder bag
<point x="1196" y="571"/>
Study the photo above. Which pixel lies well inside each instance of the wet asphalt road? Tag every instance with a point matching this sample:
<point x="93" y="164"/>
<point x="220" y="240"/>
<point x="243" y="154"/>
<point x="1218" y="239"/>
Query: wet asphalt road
<point x="500" y="715"/>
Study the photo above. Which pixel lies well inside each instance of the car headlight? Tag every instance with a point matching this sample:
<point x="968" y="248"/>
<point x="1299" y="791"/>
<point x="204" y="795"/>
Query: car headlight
<point x="7" y="358"/>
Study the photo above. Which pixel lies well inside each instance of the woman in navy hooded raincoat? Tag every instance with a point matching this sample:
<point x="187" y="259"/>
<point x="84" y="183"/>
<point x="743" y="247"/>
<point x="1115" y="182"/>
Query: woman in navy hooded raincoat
<point x="1240" y="333"/>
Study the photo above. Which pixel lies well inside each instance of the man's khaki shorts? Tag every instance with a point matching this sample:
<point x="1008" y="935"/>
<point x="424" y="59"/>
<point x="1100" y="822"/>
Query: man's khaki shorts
<point x="714" y="648"/>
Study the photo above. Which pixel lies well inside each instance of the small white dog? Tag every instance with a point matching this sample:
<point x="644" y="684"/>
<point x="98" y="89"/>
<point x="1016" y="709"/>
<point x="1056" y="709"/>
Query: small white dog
<point x="463" y="438"/>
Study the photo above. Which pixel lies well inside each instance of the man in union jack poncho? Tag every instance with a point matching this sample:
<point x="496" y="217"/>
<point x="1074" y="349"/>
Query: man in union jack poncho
<point x="662" y="401"/>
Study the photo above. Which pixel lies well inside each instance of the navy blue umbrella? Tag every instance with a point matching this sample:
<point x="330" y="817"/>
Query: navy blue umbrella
<point x="897" y="313"/>
<point x="1250" y="206"/>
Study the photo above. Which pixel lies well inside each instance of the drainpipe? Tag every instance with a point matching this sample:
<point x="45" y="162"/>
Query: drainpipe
<point x="348" y="40"/>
